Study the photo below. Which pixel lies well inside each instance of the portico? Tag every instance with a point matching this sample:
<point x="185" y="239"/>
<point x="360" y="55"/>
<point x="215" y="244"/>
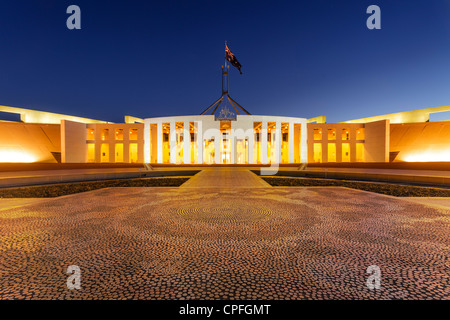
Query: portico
<point x="203" y="139"/>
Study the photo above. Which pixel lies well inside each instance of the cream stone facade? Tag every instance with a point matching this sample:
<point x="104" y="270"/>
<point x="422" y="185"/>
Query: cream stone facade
<point x="204" y="139"/>
<point x="247" y="140"/>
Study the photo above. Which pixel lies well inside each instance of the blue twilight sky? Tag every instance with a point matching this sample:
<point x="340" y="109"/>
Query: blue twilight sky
<point x="163" y="58"/>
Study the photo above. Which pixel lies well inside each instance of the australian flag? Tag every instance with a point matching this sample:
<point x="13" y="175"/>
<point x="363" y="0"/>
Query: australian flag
<point x="232" y="59"/>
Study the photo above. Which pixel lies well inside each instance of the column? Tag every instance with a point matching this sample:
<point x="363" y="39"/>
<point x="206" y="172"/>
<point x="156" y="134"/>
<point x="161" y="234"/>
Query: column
<point x="217" y="140"/>
<point x="303" y="142"/>
<point x="324" y="144"/>
<point x="187" y="143"/>
<point x="126" y="145"/>
<point x="173" y="143"/>
<point x="112" y="146"/>
<point x="291" y="142"/>
<point x="147" y="142"/>
<point x="199" y="141"/>
<point x="250" y="139"/>
<point x="338" y="144"/>
<point x="159" y="134"/>
<point x="264" y="142"/>
<point x="233" y="148"/>
<point x="98" y="144"/>
<point x="278" y="142"/>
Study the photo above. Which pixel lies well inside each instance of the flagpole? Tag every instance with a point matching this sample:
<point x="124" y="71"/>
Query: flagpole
<point x="225" y="70"/>
<point x="225" y="55"/>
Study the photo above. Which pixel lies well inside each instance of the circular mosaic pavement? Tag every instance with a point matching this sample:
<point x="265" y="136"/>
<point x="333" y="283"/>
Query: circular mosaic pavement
<point x="274" y="243"/>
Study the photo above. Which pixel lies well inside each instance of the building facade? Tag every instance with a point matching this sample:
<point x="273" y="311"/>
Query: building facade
<point x="204" y="139"/>
<point x="247" y="140"/>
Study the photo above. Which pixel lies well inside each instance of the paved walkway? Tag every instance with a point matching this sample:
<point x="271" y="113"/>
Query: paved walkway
<point x="437" y="202"/>
<point x="238" y="243"/>
<point x="226" y="177"/>
<point x="12" y="203"/>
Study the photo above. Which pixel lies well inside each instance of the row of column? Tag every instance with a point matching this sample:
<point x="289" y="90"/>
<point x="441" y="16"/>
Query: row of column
<point x="233" y="140"/>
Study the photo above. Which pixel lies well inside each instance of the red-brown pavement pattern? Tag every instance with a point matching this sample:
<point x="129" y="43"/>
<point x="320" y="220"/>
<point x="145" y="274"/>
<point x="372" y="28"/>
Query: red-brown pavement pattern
<point x="235" y="243"/>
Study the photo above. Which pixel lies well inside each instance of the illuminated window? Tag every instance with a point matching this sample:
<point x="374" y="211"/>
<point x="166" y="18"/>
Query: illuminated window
<point x="119" y="134"/>
<point x="225" y="151"/>
<point x="346" y="152"/>
<point x="166" y="142"/>
<point x="208" y="151"/>
<point x="193" y="131"/>
<point x="345" y="134"/>
<point x="317" y="134"/>
<point x="317" y="152"/>
<point x="225" y="128"/>
<point x="179" y="145"/>
<point x="331" y="134"/>
<point x="271" y="138"/>
<point x="285" y="142"/>
<point x="91" y="152"/>
<point x="257" y="144"/>
<point x="133" y="152"/>
<point x="332" y="152"/>
<point x="119" y="152"/>
<point x="90" y="134"/>
<point x="241" y="151"/>
<point x="104" y="152"/>
<point x="360" y="134"/>
<point x="360" y="152"/>
<point x="133" y="134"/>
<point x="105" y="134"/>
<point x="297" y="142"/>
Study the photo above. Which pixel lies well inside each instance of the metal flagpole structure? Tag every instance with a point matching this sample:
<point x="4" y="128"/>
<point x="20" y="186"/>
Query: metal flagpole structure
<point x="225" y="114"/>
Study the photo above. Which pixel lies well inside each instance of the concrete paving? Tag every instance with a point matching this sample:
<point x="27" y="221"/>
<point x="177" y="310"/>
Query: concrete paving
<point x="8" y="204"/>
<point x="434" y="202"/>
<point x="229" y="243"/>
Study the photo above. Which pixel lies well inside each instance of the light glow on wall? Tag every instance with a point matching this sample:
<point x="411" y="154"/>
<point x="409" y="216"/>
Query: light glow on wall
<point x="429" y="156"/>
<point x="16" y="156"/>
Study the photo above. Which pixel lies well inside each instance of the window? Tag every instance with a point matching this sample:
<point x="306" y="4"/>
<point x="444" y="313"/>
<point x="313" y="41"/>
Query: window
<point x="104" y="152"/>
<point x="345" y="134"/>
<point x="346" y="152"/>
<point x="133" y="134"/>
<point x="331" y="134"/>
<point x="317" y="152"/>
<point x="360" y="134"/>
<point x="105" y="134"/>
<point x="133" y="152"/>
<point x="332" y="152"/>
<point x="90" y="134"/>
<point x="166" y="142"/>
<point x="119" y="152"/>
<point x="91" y="152"/>
<point x="360" y="152"/>
<point x="208" y="151"/>
<point x="241" y="151"/>
<point x="257" y="144"/>
<point x="317" y="134"/>
<point x="119" y="134"/>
